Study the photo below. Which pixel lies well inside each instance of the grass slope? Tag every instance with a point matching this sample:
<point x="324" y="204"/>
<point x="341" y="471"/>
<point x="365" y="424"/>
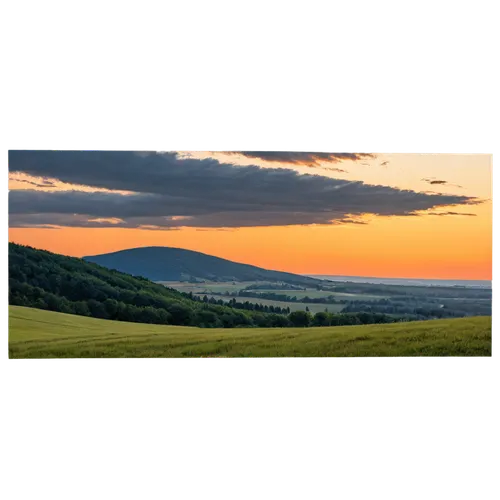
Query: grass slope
<point x="174" y="264"/>
<point x="35" y="333"/>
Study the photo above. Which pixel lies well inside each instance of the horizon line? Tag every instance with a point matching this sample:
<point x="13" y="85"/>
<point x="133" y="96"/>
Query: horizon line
<point x="393" y="277"/>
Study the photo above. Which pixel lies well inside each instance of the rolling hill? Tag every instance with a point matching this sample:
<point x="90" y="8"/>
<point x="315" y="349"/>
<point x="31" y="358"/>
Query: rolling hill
<point x="45" y="280"/>
<point x="177" y="264"/>
<point x="34" y="333"/>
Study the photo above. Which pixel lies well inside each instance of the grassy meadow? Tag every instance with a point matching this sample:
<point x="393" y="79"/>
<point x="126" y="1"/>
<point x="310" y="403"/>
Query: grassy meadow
<point x="35" y="333"/>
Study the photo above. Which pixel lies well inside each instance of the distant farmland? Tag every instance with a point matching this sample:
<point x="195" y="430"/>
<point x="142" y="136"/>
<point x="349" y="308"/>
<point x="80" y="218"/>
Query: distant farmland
<point x="400" y="301"/>
<point x="217" y="290"/>
<point x="294" y="306"/>
<point x="317" y="294"/>
<point x="220" y="288"/>
<point x="208" y="287"/>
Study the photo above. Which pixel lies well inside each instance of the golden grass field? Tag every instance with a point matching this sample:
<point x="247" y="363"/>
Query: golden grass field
<point x="35" y="333"/>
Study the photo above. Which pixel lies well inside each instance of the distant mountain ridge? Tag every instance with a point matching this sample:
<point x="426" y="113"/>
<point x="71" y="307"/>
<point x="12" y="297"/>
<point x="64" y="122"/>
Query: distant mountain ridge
<point x="178" y="264"/>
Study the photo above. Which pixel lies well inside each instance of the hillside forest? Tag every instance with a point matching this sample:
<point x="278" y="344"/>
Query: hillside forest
<point x="54" y="282"/>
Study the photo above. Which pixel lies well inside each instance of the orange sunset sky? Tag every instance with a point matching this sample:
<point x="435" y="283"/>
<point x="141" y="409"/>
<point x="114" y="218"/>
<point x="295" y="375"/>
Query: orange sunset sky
<point x="299" y="213"/>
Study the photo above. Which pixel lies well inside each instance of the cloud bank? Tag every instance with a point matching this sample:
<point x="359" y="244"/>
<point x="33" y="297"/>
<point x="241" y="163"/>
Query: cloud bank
<point x="298" y="158"/>
<point x="168" y="193"/>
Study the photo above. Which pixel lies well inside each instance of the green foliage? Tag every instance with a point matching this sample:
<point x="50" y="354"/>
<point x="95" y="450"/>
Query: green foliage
<point x="300" y="318"/>
<point x="54" y="282"/>
<point x="322" y="319"/>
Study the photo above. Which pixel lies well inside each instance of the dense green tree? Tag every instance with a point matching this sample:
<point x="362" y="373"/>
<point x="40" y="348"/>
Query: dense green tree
<point x="242" y="318"/>
<point x="279" y="320"/>
<point x="321" y="319"/>
<point x="261" y="320"/>
<point x="81" y="308"/>
<point x="180" y="314"/>
<point x="111" y="306"/>
<point x="228" y="320"/>
<point x="40" y="304"/>
<point x="53" y="302"/>
<point x="365" y="318"/>
<point x="207" y="319"/>
<point x="300" y="318"/>
<point x="97" y="309"/>
<point x="149" y="315"/>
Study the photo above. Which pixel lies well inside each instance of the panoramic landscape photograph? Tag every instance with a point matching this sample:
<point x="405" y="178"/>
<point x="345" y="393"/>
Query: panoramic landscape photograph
<point x="146" y="254"/>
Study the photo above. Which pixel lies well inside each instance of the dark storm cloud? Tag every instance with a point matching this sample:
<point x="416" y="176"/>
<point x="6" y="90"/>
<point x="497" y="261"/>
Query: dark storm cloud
<point x="223" y="229"/>
<point x="168" y="192"/>
<point x="329" y="169"/>
<point x="302" y="158"/>
<point x="433" y="181"/>
<point x="452" y="213"/>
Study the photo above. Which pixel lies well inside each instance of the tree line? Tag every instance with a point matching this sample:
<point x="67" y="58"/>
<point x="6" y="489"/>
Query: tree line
<point x="248" y="306"/>
<point x="273" y="286"/>
<point x="282" y="297"/>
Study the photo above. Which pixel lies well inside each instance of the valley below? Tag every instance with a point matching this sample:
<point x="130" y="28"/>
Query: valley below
<point x="401" y="301"/>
